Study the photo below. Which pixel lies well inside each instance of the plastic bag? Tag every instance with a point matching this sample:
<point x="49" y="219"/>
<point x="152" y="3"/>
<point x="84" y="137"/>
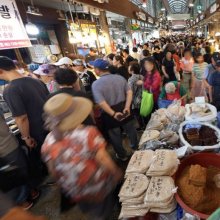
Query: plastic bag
<point x="147" y="103"/>
<point x="163" y="103"/>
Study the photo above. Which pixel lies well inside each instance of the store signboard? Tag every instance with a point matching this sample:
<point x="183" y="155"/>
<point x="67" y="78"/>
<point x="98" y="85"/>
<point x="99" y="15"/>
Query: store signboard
<point x="12" y="31"/>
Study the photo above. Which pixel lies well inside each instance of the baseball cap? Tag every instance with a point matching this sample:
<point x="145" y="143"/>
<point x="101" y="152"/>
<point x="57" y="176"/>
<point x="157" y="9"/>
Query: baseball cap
<point x="45" y="70"/>
<point x="78" y="62"/>
<point x="100" y="64"/>
<point x="64" y="61"/>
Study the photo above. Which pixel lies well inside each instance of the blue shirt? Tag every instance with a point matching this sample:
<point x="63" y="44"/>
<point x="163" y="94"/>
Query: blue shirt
<point x="208" y="71"/>
<point x="214" y="81"/>
<point x="110" y="88"/>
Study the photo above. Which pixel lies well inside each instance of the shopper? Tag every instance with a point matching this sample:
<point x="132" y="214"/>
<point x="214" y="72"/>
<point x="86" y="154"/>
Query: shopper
<point x="211" y="68"/>
<point x="152" y="79"/>
<point x="214" y="82"/>
<point x="186" y="64"/>
<point x="25" y="97"/>
<point x="135" y="54"/>
<point x="113" y="69"/>
<point x="173" y="91"/>
<point x="45" y="74"/>
<point x="208" y="55"/>
<point x="134" y="71"/>
<point x="122" y="70"/>
<point x="127" y="58"/>
<point x="196" y="49"/>
<point x="77" y="158"/>
<point x="91" y="56"/>
<point x="112" y="94"/>
<point x="169" y="68"/>
<point x="87" y="77"/>
<point x="13" y="167"/>
<point x="158" y="55"/>
<point x="68" y="82"/>
<point x="197" y="86"/>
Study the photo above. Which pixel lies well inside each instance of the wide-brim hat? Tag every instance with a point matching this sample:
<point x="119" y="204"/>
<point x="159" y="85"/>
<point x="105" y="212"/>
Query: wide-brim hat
<point x="67" y="112"/>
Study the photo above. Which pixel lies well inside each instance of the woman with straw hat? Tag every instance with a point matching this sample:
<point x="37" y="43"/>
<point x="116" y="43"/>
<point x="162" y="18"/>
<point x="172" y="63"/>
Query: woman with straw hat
<point x="76" y="155"/>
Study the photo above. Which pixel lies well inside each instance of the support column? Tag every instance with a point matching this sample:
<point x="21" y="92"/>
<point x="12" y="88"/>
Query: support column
<point x="105" y="29"/>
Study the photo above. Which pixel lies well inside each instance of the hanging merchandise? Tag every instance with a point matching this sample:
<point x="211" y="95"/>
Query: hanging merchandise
<point x="135" y="27"/>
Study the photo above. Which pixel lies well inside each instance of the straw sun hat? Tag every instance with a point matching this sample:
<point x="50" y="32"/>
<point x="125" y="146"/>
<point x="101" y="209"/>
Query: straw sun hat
<point x="65" y="112"/>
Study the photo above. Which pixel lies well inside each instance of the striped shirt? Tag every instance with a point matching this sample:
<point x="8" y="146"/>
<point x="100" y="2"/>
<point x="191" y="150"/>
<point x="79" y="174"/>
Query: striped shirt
<point x="199" y="69"/>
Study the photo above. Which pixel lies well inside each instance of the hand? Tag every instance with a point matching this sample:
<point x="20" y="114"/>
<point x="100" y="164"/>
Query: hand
<point x="139" y="83"/>
<point x="166" y="76"/>
<point x="30" y="142"/>
<point x="118" y="116"/>
<point x="126" y="112"/>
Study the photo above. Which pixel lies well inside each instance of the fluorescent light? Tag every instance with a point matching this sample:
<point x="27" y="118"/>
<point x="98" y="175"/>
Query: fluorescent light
<point x="191" y="5"/>
<point x="32" y="29"/>
<point x="217" y="34"/>
<point x="163" y="9"/>
<point x="144" y="5"/>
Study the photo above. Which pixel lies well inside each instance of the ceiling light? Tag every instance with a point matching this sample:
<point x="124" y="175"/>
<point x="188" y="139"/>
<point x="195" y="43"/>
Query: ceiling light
<point x="199" y="11"/>
<point x="191" y="5"/>
<point x="217" y="34"/>
<point x="33" y="11"/>
<point x="32" y="29"/>
<point x="163" y="9"/>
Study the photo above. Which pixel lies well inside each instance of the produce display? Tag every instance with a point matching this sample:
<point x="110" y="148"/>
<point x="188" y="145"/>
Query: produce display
<point x="200" y="112"/>
<point x="199" y="188"/>
<point x="200" y="135"/>
<point x="149" y="186"/>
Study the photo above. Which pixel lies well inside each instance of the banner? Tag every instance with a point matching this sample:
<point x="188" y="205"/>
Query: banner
<point x="12" y="31"/>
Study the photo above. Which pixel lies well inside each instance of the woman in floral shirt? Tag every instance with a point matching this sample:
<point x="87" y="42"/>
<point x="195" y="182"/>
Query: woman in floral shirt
<point x="75" y="154"/>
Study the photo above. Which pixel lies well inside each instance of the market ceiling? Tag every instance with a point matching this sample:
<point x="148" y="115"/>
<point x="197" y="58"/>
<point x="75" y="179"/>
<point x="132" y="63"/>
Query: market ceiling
<point x="178" y="6"/>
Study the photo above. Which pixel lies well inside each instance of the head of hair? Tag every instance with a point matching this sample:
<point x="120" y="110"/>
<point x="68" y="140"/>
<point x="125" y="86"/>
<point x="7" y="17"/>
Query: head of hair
<point x="120" y="59"/>
<point x="125" y="51"/>
<point x="146" y="53"/>
<point x="156" y="47"/>
<point x="65" y="76"/>
<point x="135" y="67"/>
<point x="7" y="64"/>
<point x="153" y="62"/>
<point x="146" y="44"/>
<point x="111" y="56"/>
<point x="135" y="50"/>
<point x="197" y="55"/>
<point x="187" y="50"/>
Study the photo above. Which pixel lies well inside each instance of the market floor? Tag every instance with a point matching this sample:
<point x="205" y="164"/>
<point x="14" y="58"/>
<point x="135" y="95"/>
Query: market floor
<point x="49" y="202"/>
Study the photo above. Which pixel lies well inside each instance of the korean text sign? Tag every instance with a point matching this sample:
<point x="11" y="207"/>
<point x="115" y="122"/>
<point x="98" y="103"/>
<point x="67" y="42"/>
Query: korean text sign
<point x="12" y="31"/>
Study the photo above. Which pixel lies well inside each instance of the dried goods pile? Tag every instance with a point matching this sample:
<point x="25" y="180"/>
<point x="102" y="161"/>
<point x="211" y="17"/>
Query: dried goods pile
<point x="199" y="189"/>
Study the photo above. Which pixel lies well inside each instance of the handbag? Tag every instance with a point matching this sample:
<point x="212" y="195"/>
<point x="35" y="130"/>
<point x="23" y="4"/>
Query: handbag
<point x="147" y="103"/>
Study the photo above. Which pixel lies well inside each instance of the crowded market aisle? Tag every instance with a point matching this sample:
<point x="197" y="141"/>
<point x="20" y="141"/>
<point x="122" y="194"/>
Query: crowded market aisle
<point x="101" y="124"/>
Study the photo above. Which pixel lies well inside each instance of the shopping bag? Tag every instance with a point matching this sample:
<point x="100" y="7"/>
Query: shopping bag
<point x="163" y="103"/>
<point x="147" y="103"/>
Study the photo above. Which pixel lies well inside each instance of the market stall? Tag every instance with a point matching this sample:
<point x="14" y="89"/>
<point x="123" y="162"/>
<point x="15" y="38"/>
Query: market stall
<point x="167" y="175"/>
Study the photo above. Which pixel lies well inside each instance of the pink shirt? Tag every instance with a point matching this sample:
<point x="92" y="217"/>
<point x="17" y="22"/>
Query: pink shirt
<point x="187" y="65"/>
